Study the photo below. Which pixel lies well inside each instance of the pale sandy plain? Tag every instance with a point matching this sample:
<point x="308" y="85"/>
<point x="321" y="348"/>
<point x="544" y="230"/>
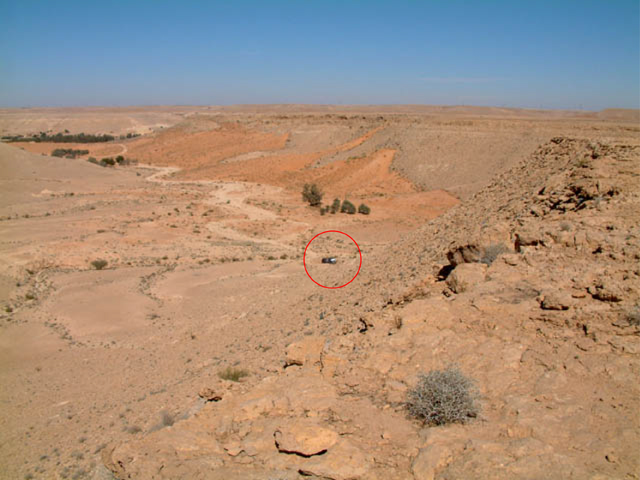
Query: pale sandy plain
<point x="102" y="372"/>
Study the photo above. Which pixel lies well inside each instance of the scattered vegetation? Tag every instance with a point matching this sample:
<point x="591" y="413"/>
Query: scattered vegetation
<point x="344" y="207"/>
<point x="60" y="138"/>
<point x="68" y="152"/>
<point x="311" y="193"/>
<point x="348" y="207"/>
<point x="491" y="252"/>
<point x="364" y="209"/>
<point x="112" y="162"/>
<point x="129" y="135"/>
<point x="233" y="374"/>
<point x="443" y="396"/>
<point x="99" y="264"/>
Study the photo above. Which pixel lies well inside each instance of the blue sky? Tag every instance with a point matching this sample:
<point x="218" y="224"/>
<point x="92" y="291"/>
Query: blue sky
<point x="549" y="54"/>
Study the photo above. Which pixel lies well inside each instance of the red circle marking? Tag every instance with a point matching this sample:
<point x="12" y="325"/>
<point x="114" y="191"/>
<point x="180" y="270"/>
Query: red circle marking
<point x="304" y="257"/>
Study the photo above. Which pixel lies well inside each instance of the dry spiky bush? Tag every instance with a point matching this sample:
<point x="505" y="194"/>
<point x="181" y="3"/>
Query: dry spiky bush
<point x="491" y="252"/>
<point x="443" y="396"/>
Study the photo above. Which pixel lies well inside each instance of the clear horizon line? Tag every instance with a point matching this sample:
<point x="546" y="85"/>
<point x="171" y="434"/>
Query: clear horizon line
<point x="339" y="105"/>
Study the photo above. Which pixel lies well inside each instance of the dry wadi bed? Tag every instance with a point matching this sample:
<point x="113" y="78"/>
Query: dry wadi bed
<point x="505" y="242"/>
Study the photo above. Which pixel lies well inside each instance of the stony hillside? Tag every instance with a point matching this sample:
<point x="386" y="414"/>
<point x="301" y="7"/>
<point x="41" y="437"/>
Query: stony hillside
<point x="530" y="287"/>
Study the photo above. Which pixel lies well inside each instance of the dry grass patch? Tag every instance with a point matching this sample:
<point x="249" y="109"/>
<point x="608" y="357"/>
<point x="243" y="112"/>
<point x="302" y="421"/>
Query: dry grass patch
<point x="233" y="374"/>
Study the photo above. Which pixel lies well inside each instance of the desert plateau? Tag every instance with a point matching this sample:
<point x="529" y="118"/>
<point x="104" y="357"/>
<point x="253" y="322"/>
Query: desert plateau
<point x="158" y="318"/>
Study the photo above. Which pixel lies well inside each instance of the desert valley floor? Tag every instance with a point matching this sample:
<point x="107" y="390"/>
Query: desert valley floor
<point x="505" y="242"/>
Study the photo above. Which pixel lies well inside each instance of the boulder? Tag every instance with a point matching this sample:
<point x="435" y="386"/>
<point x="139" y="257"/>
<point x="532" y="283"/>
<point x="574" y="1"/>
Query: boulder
<point x="306" y="352"/>
<point x="608" y="291"/>
<point x="209" y="395"/>
<point x="304" y="438"/>
<point x="556" y="301"/>
<point x="344" y="461"/>
<point x="460" y="254"/>
<point x="465" y="276"/>
<point x="529" y="238"/>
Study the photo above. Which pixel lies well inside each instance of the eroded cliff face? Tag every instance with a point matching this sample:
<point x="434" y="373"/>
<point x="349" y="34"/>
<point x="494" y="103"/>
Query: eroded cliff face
<point x="531" y="287"/>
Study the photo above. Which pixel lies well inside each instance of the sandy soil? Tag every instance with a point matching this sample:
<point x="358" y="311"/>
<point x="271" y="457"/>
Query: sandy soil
<point x="203" y="241"/>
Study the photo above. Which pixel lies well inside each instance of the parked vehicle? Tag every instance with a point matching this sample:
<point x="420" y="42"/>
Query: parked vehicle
<point x="331" y="260"/>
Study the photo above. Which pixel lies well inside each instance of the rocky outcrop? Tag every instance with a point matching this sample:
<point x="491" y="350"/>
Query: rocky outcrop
<point x="466" y="253"/>
<point x="304" y="438"/>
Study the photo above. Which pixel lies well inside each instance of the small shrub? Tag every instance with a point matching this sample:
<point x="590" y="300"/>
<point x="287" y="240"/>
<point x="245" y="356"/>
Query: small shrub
<point x="633" y="317"/>
<point x="99" y="264"/>
<point x="443" y="396"/>
<point x="78" y="455"/>
<point x="233" y="374"/>
<point x="491" y="252"/>
<point x="311" y="193"/>
<point x="364" y="209"/>
<point x="335" y="206"/>
<point x="79" y="474"/>
<point x="584" y="163"/>
<point x="107" y="162"/>
<point x="119" y="159"/>
<point x="167" y="419"/>
<point x="348" y="207"/>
